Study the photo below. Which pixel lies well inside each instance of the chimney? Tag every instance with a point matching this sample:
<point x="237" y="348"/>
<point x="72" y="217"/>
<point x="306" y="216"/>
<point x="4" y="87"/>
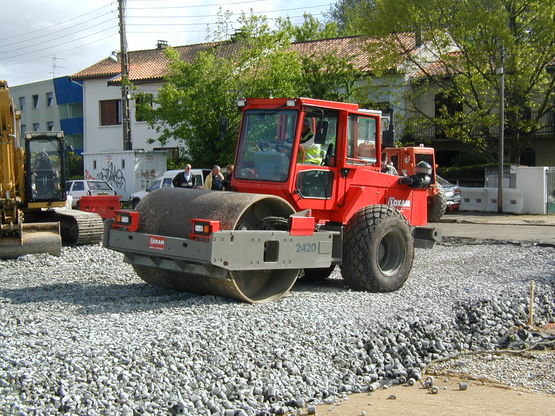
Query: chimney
<point x="161" y="44"/>
<point x="417" y="38"/>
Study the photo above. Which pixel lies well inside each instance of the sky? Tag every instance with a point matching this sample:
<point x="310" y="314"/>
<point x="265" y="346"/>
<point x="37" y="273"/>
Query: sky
<point x="53" y="38"/>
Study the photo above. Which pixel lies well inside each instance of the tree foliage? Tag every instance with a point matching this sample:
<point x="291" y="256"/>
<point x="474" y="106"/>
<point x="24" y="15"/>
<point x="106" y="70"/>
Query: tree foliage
<point x="466" y="40"/>
<point x="310" y="29"/>
<point x="345" y="14"/>
<point x="196" y="104"/>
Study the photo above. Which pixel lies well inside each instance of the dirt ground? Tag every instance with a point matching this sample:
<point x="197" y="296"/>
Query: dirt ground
<point x="478" y="399"/>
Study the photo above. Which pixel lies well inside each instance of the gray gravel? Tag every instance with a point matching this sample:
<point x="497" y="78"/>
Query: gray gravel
<point x="82" y="334"/>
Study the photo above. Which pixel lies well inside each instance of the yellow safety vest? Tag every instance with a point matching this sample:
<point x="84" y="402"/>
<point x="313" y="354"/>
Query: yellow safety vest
<point x="312" y="154"/>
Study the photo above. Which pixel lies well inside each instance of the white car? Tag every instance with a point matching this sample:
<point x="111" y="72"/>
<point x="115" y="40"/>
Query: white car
<point x="166" y="181"/>
<point x="86" y="187"/>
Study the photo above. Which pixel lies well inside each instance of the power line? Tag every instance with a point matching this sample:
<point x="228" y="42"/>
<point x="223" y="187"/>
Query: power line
<point x="192" y="6"/>
<point x="231" y="14"/>
<point x="41" y="43"/>
<point x="210" y="15"/>
<point x="60" y="44"/>
<point x="135" y="32"/>
<point x="55" y="25"/>
<point x="63" y="51"/>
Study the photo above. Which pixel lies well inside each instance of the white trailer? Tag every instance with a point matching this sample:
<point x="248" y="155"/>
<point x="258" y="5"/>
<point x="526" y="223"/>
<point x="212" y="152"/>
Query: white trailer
<point x="127" y="171"/>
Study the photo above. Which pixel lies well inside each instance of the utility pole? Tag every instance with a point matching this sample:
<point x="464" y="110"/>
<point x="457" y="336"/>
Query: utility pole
<point x="501" y="72"/>
<point x="125" y="116"/>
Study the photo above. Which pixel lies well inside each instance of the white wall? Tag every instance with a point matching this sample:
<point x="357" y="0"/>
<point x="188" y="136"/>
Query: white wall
<point x="532" y="182"/>
<point x="127" y="171"/>
<point x="99" y="138"/>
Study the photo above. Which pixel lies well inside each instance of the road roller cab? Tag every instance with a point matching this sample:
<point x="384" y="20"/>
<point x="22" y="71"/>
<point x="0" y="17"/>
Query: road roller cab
<point x="346" y="176"/>
<point x="309" y="194"/>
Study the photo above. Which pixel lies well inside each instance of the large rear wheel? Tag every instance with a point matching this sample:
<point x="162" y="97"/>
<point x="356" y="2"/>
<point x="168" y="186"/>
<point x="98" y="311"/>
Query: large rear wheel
<point x="378" y="250"/>
<point x="437" y="204"/>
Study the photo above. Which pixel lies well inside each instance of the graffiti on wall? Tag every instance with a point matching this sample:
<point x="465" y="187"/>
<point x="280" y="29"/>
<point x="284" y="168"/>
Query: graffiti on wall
<point x="147" y="177"/>
<point x="111" y="175"/>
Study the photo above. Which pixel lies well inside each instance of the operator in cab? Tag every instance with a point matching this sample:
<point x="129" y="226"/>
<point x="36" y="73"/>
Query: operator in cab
<point x="310" y="152"/>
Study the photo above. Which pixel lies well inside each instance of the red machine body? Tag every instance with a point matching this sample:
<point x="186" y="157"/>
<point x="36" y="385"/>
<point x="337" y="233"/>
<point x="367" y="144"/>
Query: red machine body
<point x="352" y="173"/>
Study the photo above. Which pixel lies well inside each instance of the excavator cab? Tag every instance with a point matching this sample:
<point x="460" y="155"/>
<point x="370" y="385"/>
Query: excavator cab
<point x="45" y="169"/>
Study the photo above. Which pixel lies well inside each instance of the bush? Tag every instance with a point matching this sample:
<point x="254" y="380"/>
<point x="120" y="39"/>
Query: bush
<point x="75" y="166"/>
<point x="472" y="175"/>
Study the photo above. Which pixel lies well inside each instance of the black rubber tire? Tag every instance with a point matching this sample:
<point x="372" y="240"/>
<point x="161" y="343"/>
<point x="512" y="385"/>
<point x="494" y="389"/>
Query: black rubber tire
<point x="317" y="275"/>
<point x="378" y="250"/>
<point x="437" y="205"/>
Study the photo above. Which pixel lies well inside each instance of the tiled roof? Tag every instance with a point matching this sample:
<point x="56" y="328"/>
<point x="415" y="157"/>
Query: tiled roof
<point x="439" y="67"/>
<point x="152" y="64"/>
<point x="149" y="64"/>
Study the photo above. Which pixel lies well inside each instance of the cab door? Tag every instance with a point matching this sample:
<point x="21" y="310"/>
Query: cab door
<point x="316" y="178"/>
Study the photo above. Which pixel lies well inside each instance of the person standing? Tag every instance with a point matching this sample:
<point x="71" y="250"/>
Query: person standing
<point x="215" y="180"/>
<point x="184" y="179"/>
<point x="227" y="177"/>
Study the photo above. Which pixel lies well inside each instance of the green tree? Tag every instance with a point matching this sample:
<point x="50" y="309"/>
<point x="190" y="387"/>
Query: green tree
<point x="196" y="105"/>
<point x="310" y="29"/>
<point x="465" y="40"/>
<point x="74" y="163"/>
<point x="329" y="77"/>
<point x="345" y="14"/>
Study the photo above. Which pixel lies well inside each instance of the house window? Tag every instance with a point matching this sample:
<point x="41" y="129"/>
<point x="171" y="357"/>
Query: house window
<point x="110" y="112"/>
<point x="73" y="110"/>
<point x="23" y="128"/>
<point x="50" y="125"/>
<point x="49" y="99"/>
<point x="36" y="126"/>
<point x="35" y="101"/>
<point x="22" y="103"/>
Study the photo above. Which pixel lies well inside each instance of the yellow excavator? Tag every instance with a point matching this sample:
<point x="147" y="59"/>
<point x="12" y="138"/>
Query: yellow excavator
<point x="32" y="191"/>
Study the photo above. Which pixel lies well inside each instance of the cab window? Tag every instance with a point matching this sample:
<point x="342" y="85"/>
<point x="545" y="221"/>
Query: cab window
<point x="324" y="122"/>
<point x="361" y="139"/>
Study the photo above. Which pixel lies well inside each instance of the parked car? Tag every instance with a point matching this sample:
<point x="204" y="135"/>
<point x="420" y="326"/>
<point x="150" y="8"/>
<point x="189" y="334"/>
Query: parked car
<point x="452" y="193"/>
<point x="165" y="181"/>
<point x="86" y="187"/>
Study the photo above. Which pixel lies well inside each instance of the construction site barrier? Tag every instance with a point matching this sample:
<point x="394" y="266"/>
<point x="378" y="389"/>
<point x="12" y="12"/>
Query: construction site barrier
<point x="513" y="200"/>
<point x="485" y="200"/>
<point x="103" y="205"/>
<point x="473" y="199"/>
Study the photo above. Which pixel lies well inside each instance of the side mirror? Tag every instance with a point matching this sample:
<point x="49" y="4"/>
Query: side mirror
<point x="321" y="132"/>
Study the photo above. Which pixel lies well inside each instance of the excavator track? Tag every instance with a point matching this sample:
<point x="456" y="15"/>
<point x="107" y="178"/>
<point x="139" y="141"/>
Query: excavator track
<point x="79" y="227"/>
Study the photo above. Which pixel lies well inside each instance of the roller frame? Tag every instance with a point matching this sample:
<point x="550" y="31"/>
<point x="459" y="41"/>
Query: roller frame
<point x="234" y="250"/>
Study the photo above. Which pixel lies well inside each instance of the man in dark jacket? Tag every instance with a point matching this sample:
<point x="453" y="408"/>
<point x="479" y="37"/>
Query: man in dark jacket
<point x="184" y="179"/>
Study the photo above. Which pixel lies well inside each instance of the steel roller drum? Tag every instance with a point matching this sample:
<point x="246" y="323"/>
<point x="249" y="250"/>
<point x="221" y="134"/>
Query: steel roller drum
<point x="168" y="212"/>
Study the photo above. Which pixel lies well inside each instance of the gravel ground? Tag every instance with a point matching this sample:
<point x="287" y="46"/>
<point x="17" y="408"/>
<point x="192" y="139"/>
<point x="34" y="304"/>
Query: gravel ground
<point x="532" y="371"/>
<point x="82" y="334"/>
